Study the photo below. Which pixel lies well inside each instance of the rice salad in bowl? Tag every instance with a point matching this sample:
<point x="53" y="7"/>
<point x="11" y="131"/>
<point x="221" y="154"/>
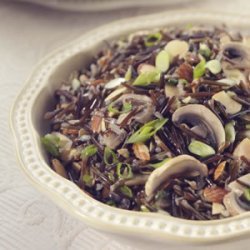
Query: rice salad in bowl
<point x="159" y="122"/>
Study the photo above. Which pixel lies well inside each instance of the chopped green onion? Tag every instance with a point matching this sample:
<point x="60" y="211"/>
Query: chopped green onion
<point x="201" y="149"/>
<point x="110" y="156"/>
<point x="111" y="203"/>
<point x="123" y="170"/>
<point x="128" y="74"/>
<point x="88" y="180"/>
<point x="214" y="66"/>
<point x="89" y="151"/>
<point x="126" y="191"/>
<point x="111" y="109"/>
<point x="125" y="108"/>
<point x="51" y="144"/>
<point x="205" y="50"/>
<point x="246" y="194"/>
<point x="199" y="69"/>
<point x="159" y="164"/>
<point x="183" y="81"/>
<point x="148" y="77"/>
<point x="162" y="61"/>
<point x="144" y="209"/>
<point x="146" y="131"/>
<point x="153" y="39"/>
<point x="230" y="132"/>
<point x="172" y="82"/>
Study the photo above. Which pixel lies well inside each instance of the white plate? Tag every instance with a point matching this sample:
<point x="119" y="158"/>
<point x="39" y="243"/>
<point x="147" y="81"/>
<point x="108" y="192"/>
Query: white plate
<point x="27" y="126"/>
<point x="98" y="5"/>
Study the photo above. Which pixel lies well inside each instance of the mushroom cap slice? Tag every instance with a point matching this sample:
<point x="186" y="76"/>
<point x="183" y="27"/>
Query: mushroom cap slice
<point x="238" y="188"/>
<point x="198" y="115"/>
<point x="182" y="164"/>
<point x="243" y="149"/>
<point x="143" y="102"/>
<point x="231" y="200"/>
<point x="232" y="107"/>
<point x="237" y="54"/>
<point x="232" y="205"/>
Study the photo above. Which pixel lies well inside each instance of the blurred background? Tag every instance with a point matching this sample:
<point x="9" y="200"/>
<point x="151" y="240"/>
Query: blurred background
<point x="29" y="29"/>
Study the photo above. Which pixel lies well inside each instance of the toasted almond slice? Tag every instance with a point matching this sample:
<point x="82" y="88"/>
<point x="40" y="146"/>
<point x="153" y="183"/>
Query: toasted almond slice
<point x="141" y="151"/>
<point x="123" y="152"/>
<point x="219" y="170"/>
<point x="59" y="168"/>
<point x="96" y="122"/>
<point x="214" y="194"/>
<point x="116" y="93"/>
<point x="218" y="208"/>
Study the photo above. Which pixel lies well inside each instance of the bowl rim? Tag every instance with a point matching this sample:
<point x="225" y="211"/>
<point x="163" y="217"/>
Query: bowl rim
<point x="65" y="193"/>
<point x="94" y="6"/>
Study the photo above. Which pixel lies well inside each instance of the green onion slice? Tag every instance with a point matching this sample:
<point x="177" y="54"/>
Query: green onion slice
<point x="201" y="149"/>
<point x="87" y="180"/>
<point x="109" y="156"/>
<point x="148" y="77"/>
<point x="51" y="144"/>
<point x="146" y="131"/>
<point x="159" y="164"/>
<point x="126" y="191"/>
<point x="153" y="39"/>
<point x="89" y="151"/>
<point x="124" y="170"/>
<point x="162" y="61"/>
<point x="199" y="69"/>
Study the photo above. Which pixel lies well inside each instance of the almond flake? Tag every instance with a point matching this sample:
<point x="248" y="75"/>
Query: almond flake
<point x="214" y="194"/>
<point x="141" y="151"/>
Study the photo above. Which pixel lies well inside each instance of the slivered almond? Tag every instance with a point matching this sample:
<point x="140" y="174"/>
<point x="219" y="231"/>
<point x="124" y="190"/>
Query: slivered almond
<point x="59" y="168"/>
<point x="219" y="170"/>
<point x="70" y="131"/>
<point x="141" y="151"/>
<point x="96" y="122"/>
<point x="123" y="152"/>
<point x="185" y="71"/>
<point x="214" y="194"/>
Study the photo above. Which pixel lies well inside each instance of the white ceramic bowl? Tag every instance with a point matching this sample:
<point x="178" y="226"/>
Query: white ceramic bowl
<point x="101" y="5"/>
<point x="27" y="126"/>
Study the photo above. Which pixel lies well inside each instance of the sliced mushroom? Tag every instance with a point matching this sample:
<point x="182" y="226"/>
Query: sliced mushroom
<point x="243" y="149"/>
<point x="142" y="102"/>
<point x="202" y="119"/>
<point x="231" y="204"/>
<point x="232" y="201"/>
<point x="183" y="164"/>
<point x="233" y="76"/>
<point x="237" y="54"/>
<point x="232" y="107"/>
<point x="113" y="139"/>
<point x="236" y="187"/>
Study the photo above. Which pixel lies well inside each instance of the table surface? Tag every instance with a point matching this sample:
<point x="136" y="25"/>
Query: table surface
<point x="28" y="220"/>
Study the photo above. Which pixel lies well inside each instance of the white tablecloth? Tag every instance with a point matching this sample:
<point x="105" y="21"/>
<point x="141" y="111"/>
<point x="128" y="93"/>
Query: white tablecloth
<point x="28" y="220"/>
